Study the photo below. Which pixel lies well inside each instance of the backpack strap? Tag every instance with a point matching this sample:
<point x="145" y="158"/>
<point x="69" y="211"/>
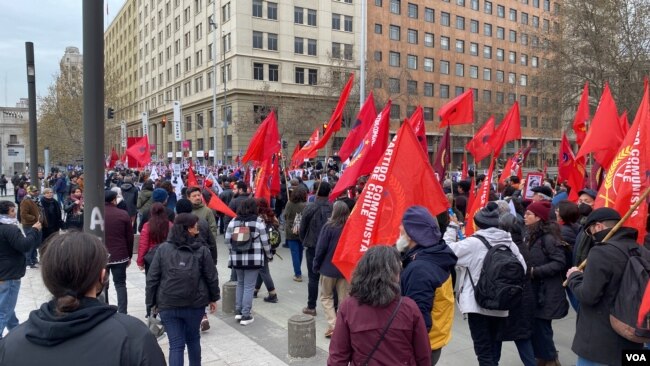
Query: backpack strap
<point x="488" y="246"/>
<point x="383" y="332"/>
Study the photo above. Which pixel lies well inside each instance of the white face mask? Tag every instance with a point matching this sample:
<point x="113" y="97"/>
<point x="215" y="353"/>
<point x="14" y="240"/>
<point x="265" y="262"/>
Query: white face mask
<point x="402" y="243"/>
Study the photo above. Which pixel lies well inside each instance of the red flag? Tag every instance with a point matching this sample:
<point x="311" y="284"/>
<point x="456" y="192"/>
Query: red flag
<point x="508" y="130"/>
<point x="570" y="169"/>
<point x="218" y="205"/>
<point x="263" y="181"/>
<point x="604" y="136"/>
<point x="265" y="142"/>
<point x="377" y="215"/>
<point x="514" y="165"/>
<point x="191" y="178"/>
<point x="367" y="154"/>
<point x="582" y="116"/>
<point x="629" y="174"/>
<point x="334" y="123"/>
<point x="139" y="151"/>
<point x="459" y="111"/>
<point x="625" y="125"/>
<point x="443" y="156"/>
<point x="306" y="151"/>
<point x="479" y="201"/>
<point x="471" y="195"/>
<point x="464" y="173"/>
<point x="295" y="156"/>
<point x="113" y="159"/>
<point x="366" y="116"/>
<point x="479" y="145"/>
<point x="275" y="176"/>
<point x="417" y="122"/>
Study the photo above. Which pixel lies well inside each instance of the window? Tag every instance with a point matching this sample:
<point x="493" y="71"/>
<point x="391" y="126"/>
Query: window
<point x="460" y="22"/>
<point x="300" y="75"/>
<point x="393" y="85"/>
<point x="336" y="50"/>
<point x="460" y="2"/>
<point x="512" y="57"/>
<point x="347" y="52"/>
<point x="311" y="17"/>
<point x="473" y="4"/>
<point x="412" y="87"/>
<point x="524" y="39"/>
<point x="444" y="91"/>
<point x="487" y="52"/>
<point x="377" y="55"/>
<point x="500" y="76"/>
<point x="523" y="59"/>
<point x="298" y="15"/>
<point x="534" y="62"/>
<point x="459" y="90"/>
<point x="188" y="123"/>
<point x="501" y="33"/>
<point x="460" y="46"/>
<point x="336" y="21"/>
<point x="393" y="32"/>
<point x="412" y="62"/>
<point x="312" y="47"/>
<point x="444" y="19"/>
<point x="523" y="80"/>
<point x="257" y="40"/>
<point x="473" y="49"/>
<point x="412" y="11"/>
<point x="347" y="23"/>
<point x="313" y="76"/>
<point x="501" y="11"/>
<point x="429" y="15"/>
<point x="487" y="29"/>
<point x="444" y="67"/>
<point x="512" y="15"/>
<point x="473" y="26"/>
<point x="258" y="71"/>
<point x="412" y="36"/>
<point x="272" y="40"/>
<point x="198" y="57"/>
<point x="523" y="100"/>
<point x="225" y="12"/>
<point x="513" y="36"/>
<point x="534" y="101"/>
<point x="428" y="89"/>
<point x="393" y="59"/>
<point x="524" y="18"/>
<point x="473" y="72"/>
<point x="395" y="6"/>
<point x="298" y="44"/>
<point x="500" y="54"/>
<point x="487" y="96"/>
<point x="500" y="99"/>
<point x="427" y="113"/>
<point x="460" y="69"/>
<point x="378" y="28"/>
<point x="428" y="64"/>
<point x="547" y="5"/>
<point x="257" y="8"/>
<point x="395" y="112"/>
<point x="226" y="43"/>
<point x="545" y="26"/>
<point x="273" y="73"/>
<point x="444" y="42"/>
<point x="535" y="21"/>
<point x="487" y="7"/>
<point x="272" y="10"/>
<point x="512" y="78"/>
<point x="428" y="40"/>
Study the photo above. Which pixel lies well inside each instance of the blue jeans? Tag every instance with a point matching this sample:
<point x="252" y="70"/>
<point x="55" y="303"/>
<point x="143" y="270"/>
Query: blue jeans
<point x="585" y="362"/>
<point x="246" y="279"/>
<point x="8" y="298"/>
<point x="296" y="256"/>
<point x="183" y="327"/>
<point x="525" y="350"/>
<point x="543" y="340"/>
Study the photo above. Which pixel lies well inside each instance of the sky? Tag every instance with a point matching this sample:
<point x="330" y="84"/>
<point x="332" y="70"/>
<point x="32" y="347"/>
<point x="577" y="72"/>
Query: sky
<point x="52" y="25"/>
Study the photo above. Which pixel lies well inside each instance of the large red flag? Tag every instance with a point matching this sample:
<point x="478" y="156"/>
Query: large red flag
<point x="515" y="165"/>
<point x="582" y="116"/>
<point x="139" y="151"/>
<point x="479" y="145"/>
<point x="366" y="116"/>
<point x="479" y="201"/>
<point x="378" y="213"/>
<point x="628" y="175"/>
<point x="218" y="205"/>
<point x="275" y="176"/>
<point x="508" y="130"/>
<point x="417" y="122"/>
<point x="295" y="156"/>
<point x="625" y="124"/>
<point x="443" y="156"/>
<point x="113" y="159"/>
<point x="306" y="151"/>
<point x="605" y="135"/>
<point x="367" y="154"/>
<point x="459" y="111"/>
<point x="191" y="177"/>
<point x="265" y="142"/>
<point x="334" y="123"/>
<point x="263" y="180"/>
<point x="570" y="169"/>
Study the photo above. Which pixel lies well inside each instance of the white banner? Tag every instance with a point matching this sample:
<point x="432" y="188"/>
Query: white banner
<point x="177" y="170"/>
<point x="123" y="133"/>
<point x="145" y="124"/>
<point x="177" y="121"/>
<point x="179" y="154"/>
<point x="211" y="153"/>
<point x="199" y="154"/>
<point x="170" y="154"/>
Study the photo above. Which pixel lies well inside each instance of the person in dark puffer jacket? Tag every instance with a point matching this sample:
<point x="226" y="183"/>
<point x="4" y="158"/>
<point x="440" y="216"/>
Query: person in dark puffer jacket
<point x="119" y="242"/>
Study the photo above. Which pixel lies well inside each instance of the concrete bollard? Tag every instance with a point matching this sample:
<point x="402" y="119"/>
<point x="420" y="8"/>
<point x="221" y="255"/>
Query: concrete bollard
<point x="228" y="294"/>
<point x="302" y="336"/>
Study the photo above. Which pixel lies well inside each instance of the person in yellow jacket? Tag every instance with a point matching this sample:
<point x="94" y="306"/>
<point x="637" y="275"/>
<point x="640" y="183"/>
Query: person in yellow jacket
<point x="427" y="263"/>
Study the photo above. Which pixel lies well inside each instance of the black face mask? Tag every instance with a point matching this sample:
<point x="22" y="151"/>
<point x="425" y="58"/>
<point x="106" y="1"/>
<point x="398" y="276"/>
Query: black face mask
<point x="584" y="209"/>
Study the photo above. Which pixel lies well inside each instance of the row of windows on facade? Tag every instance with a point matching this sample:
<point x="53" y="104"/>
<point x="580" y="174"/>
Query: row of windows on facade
<point x="395" y="7"/>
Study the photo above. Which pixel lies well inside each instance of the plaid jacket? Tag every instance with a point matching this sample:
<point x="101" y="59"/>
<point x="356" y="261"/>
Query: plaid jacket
<point x="254" y="258"/>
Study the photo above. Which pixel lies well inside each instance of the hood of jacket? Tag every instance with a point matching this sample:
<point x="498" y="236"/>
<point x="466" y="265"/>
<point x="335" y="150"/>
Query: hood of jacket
<point x="126" y="187"/>
<point x="197" y="206"/>
<point x="495" y="236"/>
<point x="47" y="328"/>
<point x="439" y="254"/>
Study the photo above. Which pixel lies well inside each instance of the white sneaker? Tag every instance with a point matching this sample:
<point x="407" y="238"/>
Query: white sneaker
<point x="238" y="317"/>
<point x="245" y="320"/>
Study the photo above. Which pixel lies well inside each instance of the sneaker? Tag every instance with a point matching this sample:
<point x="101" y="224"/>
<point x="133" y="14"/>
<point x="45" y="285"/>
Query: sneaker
<point x="297" y="278"/>
<point x="271" y="298"/>
<point x="238" y="316"/>
<point x="246" y="319"/>
<point x="205" y="324"/>
<point x="309" y="311"/>
<point x="329" y="332"/>
<point x="33" y="266"/>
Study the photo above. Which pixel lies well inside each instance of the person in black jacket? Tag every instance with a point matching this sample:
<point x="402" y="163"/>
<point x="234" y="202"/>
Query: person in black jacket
<point x="182" y="280"/>
<point x="119" y="242"/>
<point x="52" y="211"/>
<point x="314" y="217"/>
<point x="130" y="195"/>
<point x="75" y="328"/>
<point x="596" y="288"/>
<point x="13" y="246"/>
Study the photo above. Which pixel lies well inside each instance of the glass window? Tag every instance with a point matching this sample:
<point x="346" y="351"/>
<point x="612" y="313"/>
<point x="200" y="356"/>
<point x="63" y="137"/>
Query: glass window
<point x="473" y="72"/>
<point x="395" y="112"/>
<point x="413" y="11"/>
<point x="347" y="23"/>
<point x="428" y="64"/>
<point x="523" y="100"/>
<point x="487" y="7"/>
<point x="523" y="80"/>
<point x="460" y="46"/>
<point x="393" y="85"/>
<point x="511" y="98"/>
<point x="378" y="29"/>
<point x="428" y="40"/>
<point x="460" y="22"/>
<point x="393" y="59"/>
<point x="500" y="76"/>
<point x="512" y="78"/>
<point x="429" y="15"/>
<point x="473" y="49"/>
<point x="513" y="36"/>
<point x="524" y="18"/>
<point x="377" y="55"/>
<point x="428" y="89"/>
<point x="412" y="87"/>
<point x="444" y="19"/>
<point x="444" y="67"/>
<point x="347" y="51"/>
<point x="336" y="50"/>
<point x="444" y="42"/>
<point x="412" y="62"/>
<point x="257" y="40"/>
<point x="312" y="46"/>
<point x="311" y="17"/>
<point x="487" y="52"/>
<point x="272" y="39"/>
<point x="258" y="71"/>
<point x="298" y="45"/>
<point x="523" y="59"/>
<point x="501" y="33"/>
<point x="336" y="21"/>
<point x="298" y="15"/>
<point x="535" y="21"/>
<point x="501" y="11"/>
<point x="512" y="15"/>
<point x="473" y="4"/>
<point x="393" y="32"/>
<point x="487" y="29"/>
<point x="487" y="96"/>
<point x="444" y="91"/>
<point x="273" y="73"/>
<point x="487" y="74"/>
<point x="534" y="62"/>
<point x="459" y="90"/>
<point x="500" y="54"/>
<point x="395" y="6"/>
<point x="500" y="99"/>
<point x="427" y="113"/>
<point x="473" y="26"/>
<point x="300" y="75"/>
<point x="524" y="39"/>
<point x="313" y="77"/>
<point x="512" y="57"/>
<point x="272" y="10"/>
<point x="257" y="8"/>
<point x="412" y="36"/>
<point x="460" y="69"/>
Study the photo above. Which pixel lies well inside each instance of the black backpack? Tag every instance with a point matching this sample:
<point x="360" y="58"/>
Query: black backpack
<point x="183" y="275"/>
<point x="500" y="286"/>
<point x="629" y="315"/>
<point x="242" y="238"/>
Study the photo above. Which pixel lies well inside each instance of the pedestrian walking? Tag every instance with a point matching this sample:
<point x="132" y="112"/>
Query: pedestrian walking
<point x="119" y="242"/>
<point x="52" y="213"/>
<point x="30" y="213"/>
<point x="3" y="185"/>
<point x="74" y="211"/>
<point x="264" y="276"/>
<point x="292" y="216"/>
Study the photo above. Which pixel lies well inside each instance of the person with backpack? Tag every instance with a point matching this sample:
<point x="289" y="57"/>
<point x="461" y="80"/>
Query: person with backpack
<point x="293" y="216"/>
<point x="248" y="243"/>
<point x="183" y="280"/>
<point x="547" y="265"/>
<point x="488" y="252"/>
<point x="273" y="232"/>
<point x="598" y="287"/>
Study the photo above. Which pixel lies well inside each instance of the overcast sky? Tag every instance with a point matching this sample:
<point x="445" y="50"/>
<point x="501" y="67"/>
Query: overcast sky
<point x="52" y="25"/>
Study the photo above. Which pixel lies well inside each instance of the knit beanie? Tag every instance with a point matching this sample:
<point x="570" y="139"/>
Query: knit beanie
<point x="421" y="226"/>
<point x="183" y="205"/>
<point x="541" y="209"/>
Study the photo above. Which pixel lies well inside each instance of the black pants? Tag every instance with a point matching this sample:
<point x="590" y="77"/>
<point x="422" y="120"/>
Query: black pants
<point x="264" y="276"/>
<point x="312" y="286"/>
<point x="484" y="330"/>
<point x="542" y="338"/>
<point x="119" y="280"/>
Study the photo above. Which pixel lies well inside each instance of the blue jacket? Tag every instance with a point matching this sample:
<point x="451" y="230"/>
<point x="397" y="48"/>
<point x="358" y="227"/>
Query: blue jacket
<point x="325" y="247"/>
<point x="60" y="186"/>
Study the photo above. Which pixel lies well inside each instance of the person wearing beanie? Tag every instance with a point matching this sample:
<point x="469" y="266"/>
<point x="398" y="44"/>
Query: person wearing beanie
<point x="428" y="261"/>
<point x="547" y="266"/>
<point x="159" y="195"/>
<point x="471" y="252"/>
<point x="119" y="243"/>
<point x="314" y="217"/>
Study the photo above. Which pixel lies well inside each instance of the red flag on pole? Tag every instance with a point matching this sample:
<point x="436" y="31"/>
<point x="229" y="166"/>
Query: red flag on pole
<point x="417" y="122"/>
<point x="369" y="151"/>
<point x="479" y="201"/>
<point x="625" y="124"/>
<point x="514" y="165"/>
<point x="306" y="151"/>
<point x="459" y="111"/>
<point x="508" y="130"/>
<point x="191" y="178"/>
<point x="113" y="159"/>
<point x="366" y="116"/>
<point x="443" y="156"/>
<point x="582" y="116"/>
<point x="604" y="136"/>
<point x="479" y="145"/>
<point x="265" y="142"/>
<point x="570" y="169"/>
<point x="377" y="215"/>
<point x="263" y="181"/>
<point x="295" y="156"/>
<point x="218" y="205"/>
<point x="471" y="195"/>
<point x="139" y="151"/>
<point x="629" y="173"/>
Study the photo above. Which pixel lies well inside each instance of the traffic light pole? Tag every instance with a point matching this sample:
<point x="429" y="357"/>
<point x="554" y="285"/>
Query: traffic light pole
<point x="31" y="93"/>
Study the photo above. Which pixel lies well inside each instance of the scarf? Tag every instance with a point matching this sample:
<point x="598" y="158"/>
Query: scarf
<point x="5" y="219"/>
<point x="77" y="208"/>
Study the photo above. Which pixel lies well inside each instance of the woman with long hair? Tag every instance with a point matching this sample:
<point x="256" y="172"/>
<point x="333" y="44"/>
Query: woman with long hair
<point x="268" y="215"/>
<point x="74" y="210"/>
<point x="171" y="194"/>
<point x="546" y="269"/>
<point x="376" y="307"/>
<point x="75" y="328"/>
<point x="248" y="248"/>
<point x="330" y="277"/>
<point x="297" y="202"/>
<point x="182" y="280"/>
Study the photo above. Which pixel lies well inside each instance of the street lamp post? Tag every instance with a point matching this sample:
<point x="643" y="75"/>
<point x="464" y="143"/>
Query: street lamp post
<point x="31" y="90"/>
<point x="213" y="24"/>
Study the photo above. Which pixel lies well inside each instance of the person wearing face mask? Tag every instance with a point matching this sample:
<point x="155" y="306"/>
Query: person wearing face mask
<point x="583" y="243"/>
<point x="426" y="278"/>
<point x="75" y="328"/>
<point x="595" y="341"/>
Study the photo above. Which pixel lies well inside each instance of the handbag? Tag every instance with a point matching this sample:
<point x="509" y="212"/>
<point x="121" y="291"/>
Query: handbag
<point x="155" y="326"/>
<point x="295" y="229"/>
<point x="383" y="332"/>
